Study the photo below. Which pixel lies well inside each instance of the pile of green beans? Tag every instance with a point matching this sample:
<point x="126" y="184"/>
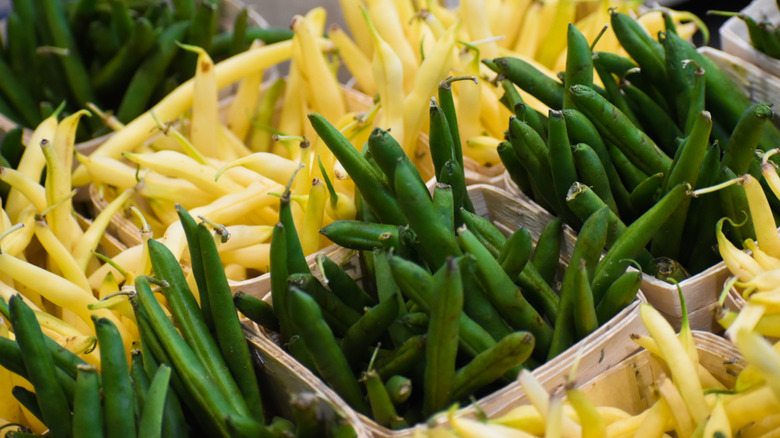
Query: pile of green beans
<point x="119" y="55"/>
<point x="664" y="117"/>
<point x="447" y="306"/>
<point x="764" y="36"/>
<point x="192" y="373"/>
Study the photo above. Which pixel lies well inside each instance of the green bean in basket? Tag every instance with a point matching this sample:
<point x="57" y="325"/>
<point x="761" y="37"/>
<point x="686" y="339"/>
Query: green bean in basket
<point x="671" y="107"/>
<point x="89" y="51"/>
<point x="441" y="307"/>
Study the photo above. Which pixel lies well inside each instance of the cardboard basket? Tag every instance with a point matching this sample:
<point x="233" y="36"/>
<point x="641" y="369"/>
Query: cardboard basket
<point x="629" y="385"/>
<point x="736" y="41"/>
<point x="599" y="351"/>
<point x="282" y="377"/>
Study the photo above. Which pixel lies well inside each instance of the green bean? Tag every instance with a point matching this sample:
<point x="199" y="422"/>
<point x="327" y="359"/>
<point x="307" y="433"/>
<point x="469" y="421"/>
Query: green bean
<point x="646" y="51"/>
<point x="516" y="252"/>
<point x="117" y="387"/>
<point x="257" y="310"/>
<point x="631" y="175"/>
<point x="153" y="413"/>
<point x="331" y="364"/>
<point x="442" y="346"/>
<point x="387" y="289"/>
<point x="337" y="313"/>
<point x="698" y="95"/>
<point x="581" y="130"/>
<point x="447" y="105"/>
<point x="532" y="152"/>
<point x="342" y="285"/>
<point x="436" y="240"/>
<point x="382" y="407"/>
<point x="579" y="62"/>
<point x="735" y="206"/>
<point x="221" y="44"/>
<point x="489" y="366"/>
<point x="386" y="152"/>
<point x="183" y="9"/>
<point x="646" y="193"/>
<point x="40" y="368"/>
<point x="399" y="388"/>
<point x="614" y="63"/>
<point x="117" y="72"/>
<point x="453" y="174"/>
<point x="199" y="34"/>
<point x="484" y="229"/>
<point x="18" y="96"/>
<point x="227" y="327"/>
<point x="52" y="17"/>
<point x="655" y="120"/>
<point x="367" y="330"/>
<point x="87" y="412"/>
<point x="591" y="172"/>
<point x="281" y="428"/>
<point x="549" y="91"/>
<point x="201" y="391"/>
<point x="239" y="43"/>
<point x="196" y="262"/>
<point x="561" y="160"/>
<point x="585" y="320"/>
<point x="642" y="151"/>
<point x="189" y="317"/>
<point x="440" y="138"/>
<point x="515" y="168"/>
<point x="585" y="202"/>
<point x="613" y="93"/>
<point x="417" y="285"/>
<point x="403" y="358"/>
<point x="619" y="294"/>
<point x="698" y="253"/>
<point x="590" y="244"/>
<point x="279" y="273"/>
<point x="476" y="304"/>
<point x="370" y="185"/>
<point x="308" y="415"/>
<point x="538" y="291"/>
<point x="547" y="252"/>
<point x="740" y="149"/>
<point x="416" y="322"/>
<point x="670" y="270"/>
<point x="148" y="74"/>
<point x="362" y="235"/>
<point x="296" y="259"/>
<point x="445" y="204"/>
<point x="504" y="294"/>
<point x="633" y="239"/>
<point x="29" y="400"/>
<point x="121" y="21"/>
<point x="140" y="381"/>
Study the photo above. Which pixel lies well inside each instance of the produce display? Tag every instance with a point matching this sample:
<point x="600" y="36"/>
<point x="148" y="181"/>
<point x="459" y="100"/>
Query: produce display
<point x="435" y="240"/>
<point x="120" y="56"/>
<point x="648" y="129"/>
<point x="431" y="262"/>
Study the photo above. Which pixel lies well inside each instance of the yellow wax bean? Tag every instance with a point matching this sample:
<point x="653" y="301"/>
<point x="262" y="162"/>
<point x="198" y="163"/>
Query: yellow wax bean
<point x="325" y="95"/>
<point x="684" y="424"/>
<point x="57" y="185"/>
<point x="91" y="238"/>
<point x="761" y="214"/>
<point x="77" y="344"/>
<point x="761" y="257"/>
<point x="312" y="217"/>
<point x="751" y="406"/>
<point x="29" y="189"/>
<point x="61" y="256"/>
<point x="474" y="14"/>
<point x="56" y="289"/>
<point x="252" y="257"/>
<point x="654" y="422"/>
<point x="739" y="263"/>
<point x="176" y="102"/>
<point x="433" y="69"/>
<point x="16" y="242"/>
<point x="388" y="73"/>
<point x="245" y="235"/>
<point x="244" y="102"/>
<point x="175" y="164"/>
<point x="388" y="24"/>
<point x="272" y="166"/>
<point x="31" y="164"/>
<point x="357" y="62"/>
<point x="351" y="9"/>
<point x="718" y="421"/>
<point x="683" y="370"/>
<point x="759" y="352"/>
